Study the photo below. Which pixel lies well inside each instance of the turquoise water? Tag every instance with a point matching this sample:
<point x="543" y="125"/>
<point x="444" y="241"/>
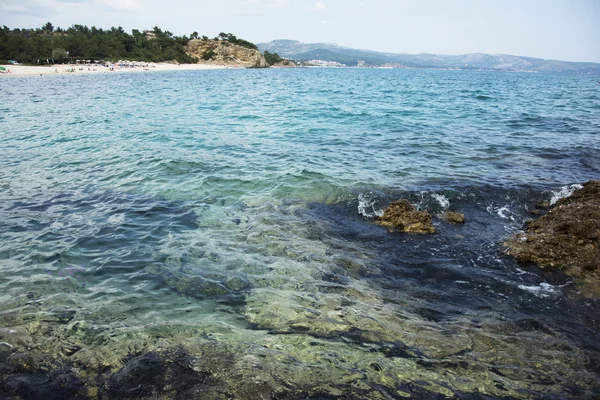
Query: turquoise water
<point x="209" y="234"/>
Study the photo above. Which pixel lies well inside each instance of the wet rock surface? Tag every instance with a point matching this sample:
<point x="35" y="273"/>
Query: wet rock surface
<point x="567" y="237"/>
<point x="454" y="217"/>
<point x="402" y="216"/>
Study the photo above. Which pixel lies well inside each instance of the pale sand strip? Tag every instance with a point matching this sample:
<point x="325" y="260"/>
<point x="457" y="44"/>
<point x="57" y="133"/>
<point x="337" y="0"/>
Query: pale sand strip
<point x="63" y="69"/>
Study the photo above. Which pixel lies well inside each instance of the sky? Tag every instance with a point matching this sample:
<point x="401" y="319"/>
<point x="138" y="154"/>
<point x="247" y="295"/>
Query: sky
<point x="552" y="29"/>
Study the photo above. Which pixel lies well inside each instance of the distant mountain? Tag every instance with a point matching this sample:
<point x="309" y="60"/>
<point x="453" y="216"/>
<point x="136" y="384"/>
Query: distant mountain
<point x="347" y="58"/>
<point x="286" y="48"/>
<point x="351" y="57"/>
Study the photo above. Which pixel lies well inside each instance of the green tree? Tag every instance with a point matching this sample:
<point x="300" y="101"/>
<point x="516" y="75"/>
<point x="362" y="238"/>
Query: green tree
<point x="59" y="54"/>
<point x="208" y="55"/>
<point x="272" y="58"/>
<point x="81" y="42"/>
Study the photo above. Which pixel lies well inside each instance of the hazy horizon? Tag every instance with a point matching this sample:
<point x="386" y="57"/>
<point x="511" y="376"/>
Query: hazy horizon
<point x="552" y="30"/>
<point x="424" y="53"/>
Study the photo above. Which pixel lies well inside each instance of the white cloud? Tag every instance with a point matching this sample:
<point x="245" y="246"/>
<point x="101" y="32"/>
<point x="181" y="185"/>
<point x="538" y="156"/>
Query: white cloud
<point x="278" y="3"/>
<point x="25" y="8"/>
<point x="120" y="4"/>
<point x="269" y="3"/>
<point x="319" y="5"/>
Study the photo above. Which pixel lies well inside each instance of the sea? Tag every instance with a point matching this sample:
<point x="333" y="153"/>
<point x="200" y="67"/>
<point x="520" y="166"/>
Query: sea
<point x="211" y="235"/>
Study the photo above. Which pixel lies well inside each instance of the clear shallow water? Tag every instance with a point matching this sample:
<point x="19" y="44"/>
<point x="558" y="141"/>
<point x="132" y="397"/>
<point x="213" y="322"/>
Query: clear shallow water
<point x="207" y="235"/>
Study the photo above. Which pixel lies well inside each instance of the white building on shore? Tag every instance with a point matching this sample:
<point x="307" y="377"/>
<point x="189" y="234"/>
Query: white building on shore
<point x="323" y="63"/>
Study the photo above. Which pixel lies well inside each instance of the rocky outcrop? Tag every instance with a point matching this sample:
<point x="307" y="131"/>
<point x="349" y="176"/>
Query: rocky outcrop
<point x="567" y="237"/>
<point x="404" y="217"/>
<point x="454" y="217"/>
<point x="285" y="64"/>
<point x="221" y="52"/>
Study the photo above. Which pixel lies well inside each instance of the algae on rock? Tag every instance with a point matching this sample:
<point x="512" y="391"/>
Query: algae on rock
<point x="454" y="217"/>
<point x="568" y="237"/>
<point x="402" y="216"/>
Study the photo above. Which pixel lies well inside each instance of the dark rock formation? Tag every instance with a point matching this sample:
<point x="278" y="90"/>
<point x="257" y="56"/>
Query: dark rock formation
<point x="404" y="217"/>
<point x="454" y="217"/>
<point x="567" y="237"/>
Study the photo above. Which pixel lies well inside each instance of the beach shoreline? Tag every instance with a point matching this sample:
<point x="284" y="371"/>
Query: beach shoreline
<point x="81" y="69"/>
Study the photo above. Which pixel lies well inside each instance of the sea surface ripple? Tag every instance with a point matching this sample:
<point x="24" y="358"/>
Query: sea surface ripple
<point x="224" y="219"/>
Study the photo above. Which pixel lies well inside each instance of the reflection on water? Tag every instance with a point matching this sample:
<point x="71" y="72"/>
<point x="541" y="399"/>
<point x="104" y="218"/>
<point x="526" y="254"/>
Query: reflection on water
<point x="223" y="247"/>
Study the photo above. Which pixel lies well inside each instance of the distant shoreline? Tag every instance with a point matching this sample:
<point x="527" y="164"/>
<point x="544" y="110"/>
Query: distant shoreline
<point x="80" y="69"/>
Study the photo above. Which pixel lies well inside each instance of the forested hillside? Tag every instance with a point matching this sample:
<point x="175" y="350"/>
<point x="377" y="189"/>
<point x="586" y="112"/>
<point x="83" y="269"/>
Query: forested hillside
<point x="55" y="45"/>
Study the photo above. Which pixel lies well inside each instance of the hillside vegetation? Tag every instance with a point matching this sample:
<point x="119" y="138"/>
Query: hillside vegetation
<point x="55" y="45"/>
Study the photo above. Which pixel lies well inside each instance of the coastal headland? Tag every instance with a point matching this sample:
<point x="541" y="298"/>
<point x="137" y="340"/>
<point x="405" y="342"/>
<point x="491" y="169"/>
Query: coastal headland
<point x="83" y="50"/>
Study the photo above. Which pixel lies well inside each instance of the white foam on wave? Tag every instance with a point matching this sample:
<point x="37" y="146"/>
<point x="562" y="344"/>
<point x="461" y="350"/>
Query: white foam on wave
<point x="543" y="290"/>
<point x="442" y="200"/>
<point x="564" y="192"/>
<point x="367" y="206"/>
<point x="503" y="212"/>
<point x="522" y="272"/>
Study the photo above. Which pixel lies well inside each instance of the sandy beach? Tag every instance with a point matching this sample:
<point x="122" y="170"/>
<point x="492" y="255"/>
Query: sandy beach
<point x="74" y="69"/>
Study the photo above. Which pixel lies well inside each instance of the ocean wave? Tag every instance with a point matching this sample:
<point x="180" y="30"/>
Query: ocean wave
<point x="503" y="212"/>
<point x="432" y="201"/>
<point x="442" y="200"/>
<point x="543" y="290"/>
<point x="564" y="192"/>
<point x="370" y="204"/>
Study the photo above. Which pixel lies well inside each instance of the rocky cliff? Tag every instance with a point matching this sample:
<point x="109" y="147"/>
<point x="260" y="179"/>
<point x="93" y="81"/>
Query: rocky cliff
<point x="220" y="52"/>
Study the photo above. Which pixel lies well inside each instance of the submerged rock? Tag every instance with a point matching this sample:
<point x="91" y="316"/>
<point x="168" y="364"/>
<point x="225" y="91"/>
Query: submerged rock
<point x="154" y="375"/>
<point x="454" y="217"/>
<point x="402" y="216"/>
<point x="567" y="237"/>
<point x="69" y="349"/>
